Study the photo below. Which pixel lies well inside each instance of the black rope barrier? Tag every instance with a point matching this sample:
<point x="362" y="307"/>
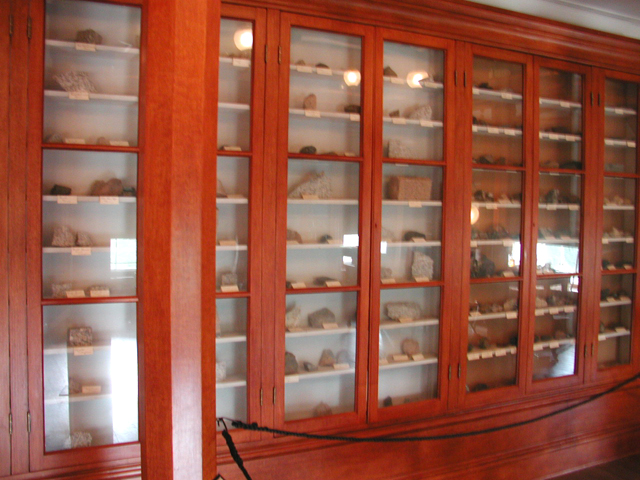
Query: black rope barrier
<point x="381" y="438"/>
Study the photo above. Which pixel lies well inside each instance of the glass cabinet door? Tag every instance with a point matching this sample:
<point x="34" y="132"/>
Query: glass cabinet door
<point x="319" y="201"/>
<point x="561" y="183"/>
<point x="238" y="173"/>
<point x="497" y="225"/>
<point x="89" y="224"/>
<point x="410" y="183"/>
<point x="618" y="230"/>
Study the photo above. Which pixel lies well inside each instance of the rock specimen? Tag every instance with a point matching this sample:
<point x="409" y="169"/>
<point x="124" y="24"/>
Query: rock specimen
<point x="322" y="65"/>
<point x="321" y="317"/>
<point x="293" y="318"/>
<point x="221" y="371"/>
<point x="80" y="337"/>
<point x="97" y="288"/>
<point x="102" y="141"/>
<point x="386" y="234"/>
<point x="229" y="279"/>
<point x="75" y="387"/>
<point x="75" y="82"/>
<point x="322" y="410"/>
<point x="308" y="150"/>
<point x="290" y="364"/>
<point x="409" y="188"/>
<point x="292" y="235"/>
<point x="352" y="108"/>
<point x="81" y="439"/>
<point x="422" y="266"/>
<point x="54" y="138"/>
<point x="83" y="240"/>
<point x="59" y="290"/>
<point x="394" y="114"/>
<point x="481" y="266"/>
<point x="398" y="310"/>
<point x="312" y="184"/>
<point x="510" y="305"/>
<point x="387" y="402"/>
<point x="88" y="36"/>
<point x="386" y="272"/>
<point x="421" y="112"/>
<point x="325" y="238"/>
<point x="410" y="235"/>
<point x="388" y="72"/>
<point x="60" y="190"/>
<point x="111" y="188"/>
<point x="541" y="302"/>
<point x="63" y="236"/>
<point x="327" y="359"/>
<point x="397" y="149"/>
<point x="552" y="196"/>
<point x="410" y="346"/>
<point x="129" y="192"/>
<point x="342" y="356"/>
<point x="310" y="102"/>
<point x="309" y="367"/>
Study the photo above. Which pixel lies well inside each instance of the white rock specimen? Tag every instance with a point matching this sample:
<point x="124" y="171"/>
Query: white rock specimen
<point x="386" y="272"/>
<point x="75" y="82"/>
<point x="398" y="310"/>
<point x="312" y="184"/>
<point x="410" y="346"/>
<point x="63" y="236"/>
<point x="321" y="317"/>
<point x="221" y="371"/>
<point x="81" y="439"/>
<point x="229" y="279"/>
<point x="59" y="290"/>
<point x="422" y="266"/>
<point x="397" y="149"/>
<point x="293" y="236"/>
<point x="80" y="337"/>
<point x="293" y="317"/>
<point x="83" y="240"/>
<point x="541" y="302"/>
<point x="510" y="305"/>
<point x="421" y="112"/>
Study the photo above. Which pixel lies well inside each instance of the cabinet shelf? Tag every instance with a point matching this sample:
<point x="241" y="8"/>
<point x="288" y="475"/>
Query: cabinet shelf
<point x="320" y="373"/>
<point x="232" y="382"/>
<point x="618" y="332"/>
<point x="428" y="243"/>
<point x="618" y="271"/>
<point x="60" y="95"/>
<point x="231" y="338"/>
<point x="412" y="203"/>
<point x="553" y="344"/>
<point x="619" y="142"/>
<point x="494" y="316"/>
<point x="617" y="240"/>
<point x="88" y="300"/>
<point x="104" y="49"/>
<point x="618" y="207"/>
<point x="77" y="251"/>
<point x="79" y="397"/>
<point x="500" y="131"/>
<point x="560" y="137"/>
<point x="232" y="201"/>
<point x="430" y="360"/>
<point x="323" y="201"/>
<point x="236" y="62"/>
<point x="317" y="114"/>
<point x="620" y="111"/>
<point x="240" y="107"/>
<point x="311" y="332"/>
<point x="615" y="303"/>
<point x="553" y="103"/>
<point x="87" y="199"/>
<point x="401" y="121"/>
<point x="558" y="241"/>
<point x="496" y="279"/>
<point x="539" y="312"/>
<point x="89" y="147"/>
<point x="231" y="248"/>
<point x="317" y="246"/>
<point x="322" y="71"/>
<point x="497" y="95"/>
<point x="495" y="205"/>
<point x="423" y="322"/>
<point x="64" y="350"/>
<point x="499" y="242"/>
<point x="559" y="206"/>
<point x="401" y="82"/>
<point x="478" y="354"/>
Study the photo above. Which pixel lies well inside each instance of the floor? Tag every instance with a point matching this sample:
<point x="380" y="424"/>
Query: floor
<point x="623" y="469"/>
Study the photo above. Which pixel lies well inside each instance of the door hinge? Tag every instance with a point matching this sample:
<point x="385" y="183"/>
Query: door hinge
<point x="29" y="28"/>
<point x="279" y="54"/>
<point x="10" y="424"/>
<point x="274" y="395"/>
<point x="459" y="370"/>
<point x="261" y="391"/>
<point x="10" y="25"/>
<point x="28" y="422"/>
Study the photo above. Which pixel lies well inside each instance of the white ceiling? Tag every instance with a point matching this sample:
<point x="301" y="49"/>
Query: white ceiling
<point x="621" y="17"/>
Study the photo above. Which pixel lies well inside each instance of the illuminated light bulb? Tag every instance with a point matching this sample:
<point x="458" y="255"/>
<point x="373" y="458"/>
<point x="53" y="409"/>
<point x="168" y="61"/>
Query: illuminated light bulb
<point x="243" y="39"/>
<point x="352" y="78"/>
<point x="475" y="214"/>
<point x="413" y="79"/>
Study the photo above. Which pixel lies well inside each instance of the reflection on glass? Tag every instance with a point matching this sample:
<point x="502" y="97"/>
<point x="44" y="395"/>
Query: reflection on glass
<point x="620" y="126"/>
<point x="616" y="318"/>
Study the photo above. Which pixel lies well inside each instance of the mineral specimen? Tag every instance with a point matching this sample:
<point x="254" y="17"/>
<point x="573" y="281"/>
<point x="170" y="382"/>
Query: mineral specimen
<point x="388" y="72"/>
<point x="293" y="317"/>
<point x="398" y="310"/>
<point x="221" y="371"/>
<point x="322" y="65"/>
<point x="312" y="184"/>
<point x="410" y="346"/>
<point x="74" y="387"/>
<point x="394" y="114"/>
<point x="293" y="236"/>
<point x="352" y="108"/>
<point x="410" y="235"/>
<point x="386" y="272"/>
<point x="342" y="356"/>
<point x="541" y="302"/>
<point x="422" y="266"/>
<point x="97" y="288"/>
<point x="310" y="102"/>
<point x="54" y="138"/>
<point x="129" y="192"/>
<point x="81" y="439"/>
<point x="80" y="337"/>
<point x="88" y="36"/>
<point x="387" y="402"/>
<point x="309" y="367"/>
<point x="325" y="238"/>
<point x="83" y="240"/>
<point x="322" y="409"/>
<point x="327" y="359"/>
<point x="421" y="112"/>
<point x="552" y="196"/>
<point x="59" y="290"/>
<point x="308" y="150"/>
<point x="63" y="236"/>
<point x="60" y="190"/>
<point x="229" y="278"/>
<point x="102" y="141"/>
<point x="290" y="364"/>
<point x="397" y="149"/>
<point x="481" y="265"/>
<point x="510" y="305"/>
<point x="112" y="188"/>
<point x="75" y="82"/>
<point x="409" y="188"/>
<point x="321" y="317"/>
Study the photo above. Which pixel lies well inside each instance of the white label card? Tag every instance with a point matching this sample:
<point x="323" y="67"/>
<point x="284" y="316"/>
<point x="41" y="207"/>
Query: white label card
<point x="341" y="366"/>
<point x="397" y="81"/>
<point x="417" y="357"/>
<point x="552" y="206"/>
<point x="329" y="326"/>
<point x="574" y="208"/>
<point x="565" y="104"/>
<point x="474" y="243"/>
<point x="293" y="242"/>
<point x="507" y="243"/>
<point x="312" y="113"/>
<point x="75" y="293"/>
<point x="422" y="279"/>
<point x="413" y="204"/>
<point x="80" y="351"/>
<point x="426" y="123"/>
<point x="91" y="389"/>
<point x="298" y="285"/>
<point x="493" y="130"/>
<point x="229" y="288"/>
<point x="628" y="240"/>
<point x="323" y="71"/>
<point x="119" y="143"/>
<point x="291" y="378"/>
<point x="240" y="62"/>
<point x="492" y="206"/>
<point x="602" y="336"/>
<point x="304" y="68"/>
<point x="383" y="361"/>
<point x="354" y="117"/>
<point x="508" y="274"/>
<point x="511" y="315"/>
<point x="554" y="136"/>
<point x="506" y="95"/>
<point x="399" y="121"/>
<point x="81" y="251"/>
<point x="611" y="299"/>
<point x="501" y="352"/>
<point x="619" y="111"/>
<point x="605" y="241"/>
<point x="554" y="344"/>
<point x="624" y="298"/>
<point x="400" y="358"/>
<point x="228" y="243"/>
<point x="473" y="356"/>
<point x="309" y="197"/>
<point x="75" y="141"/>
<point x="621" y="329"/>
<point x="67" y="199"/>
<point x="100" y="293"/>
<point x="537" y="347"/>
<point x="231" y="148"/>
<point x="387" y="281"/>
<point x="86" y="47"/>
<point x="405" y="320"/>
<point x="628" y="267"/>
<point x="511" y="132"/>
<point x="611" y="267"/>
<point x="109" y="201"/>
<point x="486" y="354"/>
<point x="540" y="311"/>
<point x="631" y="144"/>
<point x="418" y="240"/>
<point x="554" y="311"/>
<point x="78" y="95"/>
<point x="333" y="283"/>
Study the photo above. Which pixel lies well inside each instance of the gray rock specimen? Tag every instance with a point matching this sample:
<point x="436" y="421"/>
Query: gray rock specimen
<point x="410" y="235"/>
<point x="310" y="102"/>
<point x="290" y="364"/>
<point x="343" y="357"/>
<point x="320" y="317"/>
<point x="83" y="240"/>
<point x="88" y="36"/>
<point x="386" y="234"/>
<point x="54" y="138"/>
<point x="421" y="112"/>
<point x="309" y="367"/>
<point x="221" y="371"/>
<point x="129" y="192"/>
<point x="60" y="190"/>
<point x="397" y="149"/>
<point x="387" y="402"/>
<point x="312" y="184"/>
<point x="352" y="108"/>
<point x="292" y="235"/>
<point x="422" y="266"/>
<point x="327" y="359"/>
<point x="322" y="410"/>
<point x="80" y="337"/>
<point x="63" y="236"/>
<point x="75" y="82"/>
<point x="308" y="150"/>
<point x="386" y="272"/>
<point x="229" y="279"/>
<point x="389" y="72"/>
<point x="59" y="290"/>
<point x="398" y="310"/>
<point x="325" y="238"/>
<point x="410" y="346"/>
<point x="97" y="288"/>
<point x="293" y="318"/>
<point x="111" y="188"/>
<point x="74" y="387"/>
<point x="81" y="439"/>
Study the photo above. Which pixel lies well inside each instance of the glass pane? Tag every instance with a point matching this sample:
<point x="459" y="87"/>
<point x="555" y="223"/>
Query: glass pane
<point x="92" y="70"/>
<point x="322" y="224"/>
<point x="558" y="247"/>
<point x="413" y="102"/>
<point x="556" y="327"/>
<point x="620" y="126"/>
<point x="234" y="97"/>
<point x="90" y="375"/>
<point x="320" y="355"/>
<point x="618" y="223"/>
<point x="616" y="315"/>
<point x="411" y="223"/>
<point x="324" y="93"/>
<point x="493" y="335"/>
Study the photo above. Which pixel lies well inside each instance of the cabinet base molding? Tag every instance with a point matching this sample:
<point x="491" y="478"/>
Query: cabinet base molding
<point x="131" y="471"/>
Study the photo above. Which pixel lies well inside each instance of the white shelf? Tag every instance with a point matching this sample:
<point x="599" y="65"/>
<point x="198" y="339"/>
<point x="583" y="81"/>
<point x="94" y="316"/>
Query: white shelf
<point x="241" y="107"/>
<point x="112" y="49"/>
<point x="86" y="199"/>
<point x="78" y="397"/>
<point x="539" y="312"/>
<point x="422" y="322"/>
<point x="618" y="207"/>
<point x="410" y="363"/>
<point x="558" y="241"/>
<point x="69" y="350"/>
<point x="323" y="201"/>
<point x="231" y="338"/>
<point x="500" y="242"/>
<point x="613" y="334"/>
<point x="479" y="354"/>
<point x="401" y="82"/>
<point x="552" y="102"/>
<point x="428" y="243"/>
<point x="232" y="382"/>
<point x="322" y="372"/>
<point x="617" y="240"/>
<point x="496" y="95"/>
<point x="409" y="121"/>
<point x="311" y="332"/>
<point x="559" y="206"/>
<point x="317" y="114"/>
<point x="560" y="137"/>
<point x="317" y="246"/>
<point x="104" y="97"/>
<point x="309" y="69"/>
<point x="494" y="316"/>
<point x="501" y="131"/>
<point x="615" y="303"/>
<point x="553" y="344"/>
<point x="412" y="203"/>
<point x="495" y="205"/>
<point x="232" y="201"/>
<point x="70" y="250"/>
<point x="236" y="62"/>
<point x="620" y="111"/>
<point x="618" y="142"/>
<point x="231" y="248"/>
